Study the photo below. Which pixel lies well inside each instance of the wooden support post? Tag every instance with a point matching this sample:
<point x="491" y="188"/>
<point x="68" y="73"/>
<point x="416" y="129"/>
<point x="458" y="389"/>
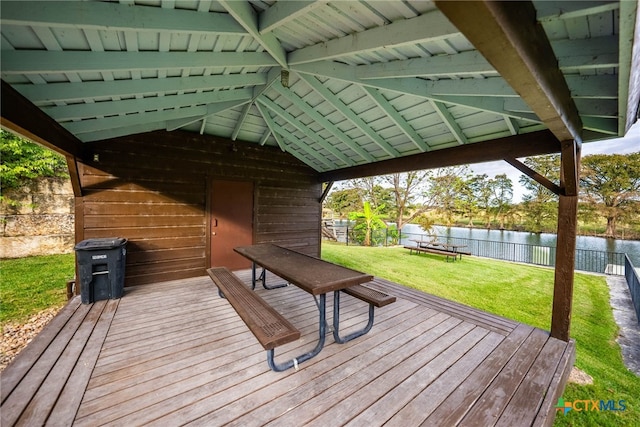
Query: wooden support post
<point x="565" y="264"/>
<point x="566" y="245"/>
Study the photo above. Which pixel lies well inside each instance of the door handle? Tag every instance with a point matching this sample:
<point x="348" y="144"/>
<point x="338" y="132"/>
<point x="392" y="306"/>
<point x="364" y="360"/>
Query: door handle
<point x="215" y="222"/>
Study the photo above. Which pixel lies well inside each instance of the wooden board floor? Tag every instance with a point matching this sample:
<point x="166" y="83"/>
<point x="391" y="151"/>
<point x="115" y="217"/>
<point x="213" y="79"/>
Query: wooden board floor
<point x="175" y="353"/>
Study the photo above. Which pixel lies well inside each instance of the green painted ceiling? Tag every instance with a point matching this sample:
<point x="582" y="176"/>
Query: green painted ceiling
<point x="367" y="81"/>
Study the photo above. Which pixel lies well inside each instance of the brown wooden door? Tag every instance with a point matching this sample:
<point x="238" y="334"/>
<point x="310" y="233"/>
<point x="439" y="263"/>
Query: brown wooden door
<point x="231" y="222"/>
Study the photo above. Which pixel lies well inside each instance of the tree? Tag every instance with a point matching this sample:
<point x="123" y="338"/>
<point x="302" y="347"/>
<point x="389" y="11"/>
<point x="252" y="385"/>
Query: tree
<point x="540" y="204"/>
<point x="367" y="220"/>
<point x="405" y="189"/>
<point x="612" y="184"/>
<point x="342" y="202"/>
<point x="474" y="195"/>
<point x="24" y="161"/>
<point x="483" y="191"/>
<point x="502" y="195"/>
<point x="443" y="191"/>
<point x="371" y="189"/>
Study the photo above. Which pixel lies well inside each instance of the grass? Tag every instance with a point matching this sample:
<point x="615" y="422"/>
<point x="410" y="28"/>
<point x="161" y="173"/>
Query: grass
<point x="30" y="285"/>
<point x="523" y="293"/>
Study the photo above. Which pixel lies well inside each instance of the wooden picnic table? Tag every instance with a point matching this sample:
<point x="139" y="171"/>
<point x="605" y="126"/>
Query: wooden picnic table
<point x="310" y="274"/>
<point x="450" y="247"/>
<point x="313" y="275"/>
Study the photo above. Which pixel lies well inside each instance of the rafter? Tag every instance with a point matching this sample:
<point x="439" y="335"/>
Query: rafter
<point x="513" y="41"/>
<point x="123" y="131"/>
<point x="450" y="122"/>
<point x="86" y="126"/>
<point x="349" y="114"/>
<point x="606" y="125"/>
<point x="427" y="27"/>
<point x="278" y="133"/>
<point x="397" y="118"/>
<point x="586" y="106"/>
<point x="282" y="12"/>
<point x="462" y="64"/>
<point x="550" y="11"/>
<point x="304" y="148"/>
<point x="323" y="121"/>
<point x="594" y="86"/>
<point x="305" y="130"/>
<point x="513" y="108"/>
<point x="513" y="126"/>
<point x="54" y="92"/>
<point x="109" y="108"/>
<point x="471" y="93"/>
<point x="118" y="17"/>
<point x="39" y="62"/>
<point x="248" y="18"/>
<point x="272" y="76"/>
<point x="240" y="121"/>
<point x="587" y="54"/>
<point x="271" y="124"/>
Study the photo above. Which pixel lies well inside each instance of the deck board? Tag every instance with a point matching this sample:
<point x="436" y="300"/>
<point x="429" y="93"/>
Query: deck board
<point x="176" y="353"/>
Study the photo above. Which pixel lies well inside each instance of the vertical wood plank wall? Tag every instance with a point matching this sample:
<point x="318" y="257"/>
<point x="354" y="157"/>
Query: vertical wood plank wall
<point x="152" y="189"/>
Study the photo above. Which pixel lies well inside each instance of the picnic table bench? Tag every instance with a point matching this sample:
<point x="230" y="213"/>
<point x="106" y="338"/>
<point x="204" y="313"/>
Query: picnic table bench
<point x="268" y="325"/>
<point x="371" y="296"/>
<point x="433" y="250"/>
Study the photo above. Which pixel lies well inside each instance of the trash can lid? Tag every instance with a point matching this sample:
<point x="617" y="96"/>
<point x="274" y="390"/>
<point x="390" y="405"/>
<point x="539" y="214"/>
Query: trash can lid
<point x="102" y="243"/>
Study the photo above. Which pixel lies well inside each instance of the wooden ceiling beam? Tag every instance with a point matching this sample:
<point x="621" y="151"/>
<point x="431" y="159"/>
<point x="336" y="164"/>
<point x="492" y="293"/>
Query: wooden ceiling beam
<point x="530" y="144"/>
<point x="20" y="116"/>
<point x="540" y="179"/>
<point x="509" y="36"/>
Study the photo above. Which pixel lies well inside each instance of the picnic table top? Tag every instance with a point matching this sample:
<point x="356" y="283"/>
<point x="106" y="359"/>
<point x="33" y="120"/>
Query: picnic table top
<point x="311" y="274"/>
<point x="444" y="245"/>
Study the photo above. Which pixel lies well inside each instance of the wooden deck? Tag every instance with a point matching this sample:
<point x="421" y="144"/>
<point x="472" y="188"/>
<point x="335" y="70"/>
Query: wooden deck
<point x="175" y="353"/>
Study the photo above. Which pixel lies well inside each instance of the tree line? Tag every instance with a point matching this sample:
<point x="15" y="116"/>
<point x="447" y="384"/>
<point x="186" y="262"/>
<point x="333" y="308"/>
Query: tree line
<point x="609" y="197"/>
<point x="609" y="192"/>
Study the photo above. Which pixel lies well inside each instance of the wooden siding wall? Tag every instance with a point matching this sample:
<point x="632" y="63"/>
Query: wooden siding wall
<point x="152" y="189"/>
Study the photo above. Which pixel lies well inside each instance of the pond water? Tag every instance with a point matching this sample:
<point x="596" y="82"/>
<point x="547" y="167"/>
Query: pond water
<point x="630" y="247"/>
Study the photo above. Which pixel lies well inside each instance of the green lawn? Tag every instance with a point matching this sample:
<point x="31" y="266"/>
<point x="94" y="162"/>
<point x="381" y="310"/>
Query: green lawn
<point x="523" y="293"/>
<point x="32" y="284"/>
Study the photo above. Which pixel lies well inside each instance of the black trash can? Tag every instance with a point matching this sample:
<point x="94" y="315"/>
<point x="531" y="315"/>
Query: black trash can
<point x="101" y="268"/>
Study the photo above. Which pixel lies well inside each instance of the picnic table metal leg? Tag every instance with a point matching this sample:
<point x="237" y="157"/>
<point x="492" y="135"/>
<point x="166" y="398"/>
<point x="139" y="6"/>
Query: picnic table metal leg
<point x="336" y="322"/>
<point x="262" y="279"/>
<point x="253" y="276"/>
<point x="328" y="327"/>
<point x="322" y="322"/>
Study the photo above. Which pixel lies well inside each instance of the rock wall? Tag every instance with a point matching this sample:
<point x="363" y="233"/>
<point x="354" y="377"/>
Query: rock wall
<point x="39" y="220"/>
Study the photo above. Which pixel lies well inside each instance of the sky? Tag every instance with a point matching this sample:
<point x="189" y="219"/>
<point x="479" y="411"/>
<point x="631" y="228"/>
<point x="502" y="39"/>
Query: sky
<point x="630" y="143"/>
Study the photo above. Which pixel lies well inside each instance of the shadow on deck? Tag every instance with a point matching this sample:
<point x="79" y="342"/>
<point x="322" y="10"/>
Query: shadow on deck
<point x="175" y="353"/>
